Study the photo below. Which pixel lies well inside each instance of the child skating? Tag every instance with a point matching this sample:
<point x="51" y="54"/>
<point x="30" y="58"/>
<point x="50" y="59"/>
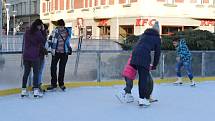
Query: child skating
<point x="183" y="58"/>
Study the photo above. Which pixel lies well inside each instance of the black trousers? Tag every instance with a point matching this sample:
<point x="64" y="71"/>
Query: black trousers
<point x="129" y="85"/>
<point x="27" y="68"/>
<point x="145" y="83"/>
<point x="62" y="59"/>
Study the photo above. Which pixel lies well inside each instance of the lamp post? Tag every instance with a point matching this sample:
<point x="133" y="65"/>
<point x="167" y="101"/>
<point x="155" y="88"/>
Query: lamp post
<point x="7" y="5"/>
<point x="0" y="24"/>
<point x="14" y="23"/>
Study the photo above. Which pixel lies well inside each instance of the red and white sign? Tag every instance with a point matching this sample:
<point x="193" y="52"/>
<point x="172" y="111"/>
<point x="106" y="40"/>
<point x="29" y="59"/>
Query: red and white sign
<point x="207" y="23"/>
<point x="103" y="22"/>
<point x="144" y="22"/>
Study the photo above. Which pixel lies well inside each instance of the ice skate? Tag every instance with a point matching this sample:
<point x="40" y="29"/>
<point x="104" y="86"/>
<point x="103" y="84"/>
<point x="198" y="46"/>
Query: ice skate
<point x="144" y="102"/>
<point x="63" y="88"/>
<point x="193" y="84"/>
<point x="24" y="92"/>
<point x="129" y="98"/>
<point x="37" y="93"/>
<point x="179" y="81"/>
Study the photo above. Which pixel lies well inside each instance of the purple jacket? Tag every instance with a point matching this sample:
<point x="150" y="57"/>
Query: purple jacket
<point x="32" y="45"/>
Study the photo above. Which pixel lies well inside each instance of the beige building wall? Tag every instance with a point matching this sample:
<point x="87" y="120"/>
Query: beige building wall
<point x="177" y="14"/>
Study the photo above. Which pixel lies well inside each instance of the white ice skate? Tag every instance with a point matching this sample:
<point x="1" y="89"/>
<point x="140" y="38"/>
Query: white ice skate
<point x="129" y="98"/>
<point x="144" y="102"/>
<point x="179" y="81"/>
<point x="24" y="92"/>
<point x="37" y="93"/>
<point x="193" y="84"/>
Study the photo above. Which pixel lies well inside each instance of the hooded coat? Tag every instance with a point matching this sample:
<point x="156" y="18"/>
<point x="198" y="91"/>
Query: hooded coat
<point x="141" y="55"/>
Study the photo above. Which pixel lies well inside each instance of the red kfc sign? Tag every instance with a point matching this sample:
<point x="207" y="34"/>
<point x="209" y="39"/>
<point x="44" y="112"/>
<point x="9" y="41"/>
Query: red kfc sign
<point x="143" y="22"/>
<point x="103" y="22"/>
<point x="207" y="22"/>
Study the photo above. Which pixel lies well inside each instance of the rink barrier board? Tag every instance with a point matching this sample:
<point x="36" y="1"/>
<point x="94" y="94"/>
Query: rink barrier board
<point x="12" y="91"/>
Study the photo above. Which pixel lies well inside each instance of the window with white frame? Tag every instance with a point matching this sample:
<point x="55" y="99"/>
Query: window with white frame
<point x="128" y="1"/>
<point x="200" y="2"/>
<point x="212" y="2"/>
<point x="170" y="1"/>
<point x="97" y="3"/>
<point x="86" y="3"/>
<point x="72" y="4"/>
<point x="107" y="2"/>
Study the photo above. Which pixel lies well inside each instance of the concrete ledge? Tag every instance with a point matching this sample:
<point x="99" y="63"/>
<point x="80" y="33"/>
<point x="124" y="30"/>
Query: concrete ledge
<point x="105" y="83"/>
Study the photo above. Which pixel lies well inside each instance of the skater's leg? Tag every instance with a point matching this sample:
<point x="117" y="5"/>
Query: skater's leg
<point x="187" y="66"/>
<point x="41" y="69"/>
<point x="35" y="73"/>
<point x="62" y="66"/>
<point x="129" y="85"/>
<point x="27" y="69"/>
<point x="178" y="72"/>
<point x="54" y="62"/>
<point x="144" y="83"/>
<point x="178" y="68"/>
<point x="150" y="85"/>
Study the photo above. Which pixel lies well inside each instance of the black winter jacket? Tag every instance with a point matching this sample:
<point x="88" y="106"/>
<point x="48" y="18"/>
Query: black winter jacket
<point x="141" y="55"/>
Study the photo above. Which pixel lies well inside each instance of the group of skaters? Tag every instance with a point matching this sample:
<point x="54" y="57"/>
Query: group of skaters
<point x="37" y="42"/>
<point x="35" y="47"/>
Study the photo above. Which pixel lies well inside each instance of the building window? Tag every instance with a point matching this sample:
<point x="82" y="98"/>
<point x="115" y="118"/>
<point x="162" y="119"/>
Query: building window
<point x="200" y="2"/>
<point x="68" y="5"/>
<point x="86" y="3"/>
<point x="122" y="1"/>
<point x="212" y="2"/>
<point x="132" y="1"/>
<point x="52" y="5"/>
<point x="166" y="30"/>
<point x="56" y="4"/>
<point x="61" y="4"/>
<point x="170" y="1"/>
<point x="179" y="1"/>
<point x="111" y="2"/>
<point x="91" y="3"/>
<point x="103" y="2"/>
<point x="97" y="2"/>
<point x="79" y="4"/>
<point x="34" y="3"/>
<point x="44" y="8"/>
<point x="72" y="4"/>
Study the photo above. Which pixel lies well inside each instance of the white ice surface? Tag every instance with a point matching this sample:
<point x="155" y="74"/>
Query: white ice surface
<point x="176" y="103"/>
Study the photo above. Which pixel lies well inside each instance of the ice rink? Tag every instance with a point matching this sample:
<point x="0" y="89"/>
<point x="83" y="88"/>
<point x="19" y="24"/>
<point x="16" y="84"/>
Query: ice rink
<point x="176" y="103"/>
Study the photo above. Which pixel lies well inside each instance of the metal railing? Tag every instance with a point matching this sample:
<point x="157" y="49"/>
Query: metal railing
<point x="104" y="65"/>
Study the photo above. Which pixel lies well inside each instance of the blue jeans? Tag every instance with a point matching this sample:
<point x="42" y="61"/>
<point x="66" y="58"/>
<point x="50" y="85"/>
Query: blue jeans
<point x="187" y="67"/>
<point x="41" y="70"/>
<point x="27" y="68"/>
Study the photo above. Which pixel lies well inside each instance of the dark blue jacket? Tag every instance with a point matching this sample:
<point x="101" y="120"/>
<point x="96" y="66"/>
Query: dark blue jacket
<point x="141" y="55"/>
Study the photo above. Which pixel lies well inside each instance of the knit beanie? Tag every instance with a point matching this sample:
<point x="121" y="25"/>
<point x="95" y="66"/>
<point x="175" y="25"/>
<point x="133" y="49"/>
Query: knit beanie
<point x="156" y="26"/>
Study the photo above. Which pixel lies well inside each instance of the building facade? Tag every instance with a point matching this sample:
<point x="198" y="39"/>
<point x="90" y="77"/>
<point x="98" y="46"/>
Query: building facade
<point x="24" y="12"/>
<point x="119" y="18"/>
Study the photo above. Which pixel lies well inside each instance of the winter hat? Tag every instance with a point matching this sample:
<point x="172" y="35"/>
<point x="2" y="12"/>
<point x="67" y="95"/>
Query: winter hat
<point x="156" y="26"/>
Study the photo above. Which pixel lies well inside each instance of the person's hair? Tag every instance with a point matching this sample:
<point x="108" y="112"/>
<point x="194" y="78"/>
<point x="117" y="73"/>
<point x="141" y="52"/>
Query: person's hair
<point x="61" y="22"/>
<point x="176" y="39"/>
<point x="34" y="25"/>
<point x="45" y="26"/>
